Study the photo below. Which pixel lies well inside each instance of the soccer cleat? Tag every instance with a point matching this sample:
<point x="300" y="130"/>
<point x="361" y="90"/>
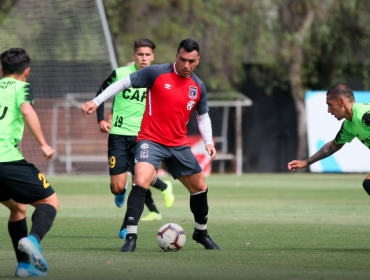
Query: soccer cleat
<point x="31" y="247"/>
<point x="129" y="245"/>
<point x="122" y="233"/>
<point x="119" y="199"/>
<point x="27" y="269"/>
<point x="168" y="196"/>
<point x="152" y="216"/>
<point x="205" y="240"/>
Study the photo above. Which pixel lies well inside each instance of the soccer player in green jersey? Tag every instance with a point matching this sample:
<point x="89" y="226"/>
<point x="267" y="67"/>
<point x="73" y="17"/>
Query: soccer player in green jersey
<point x="128" y="109"/>
<point x="341" y="104"/>
<point x="21" y="183"/>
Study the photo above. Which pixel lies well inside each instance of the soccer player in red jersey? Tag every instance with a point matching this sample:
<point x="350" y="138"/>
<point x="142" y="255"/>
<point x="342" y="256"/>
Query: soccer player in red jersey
<point x="173" y="92"/>
<point x="128" y="108"/>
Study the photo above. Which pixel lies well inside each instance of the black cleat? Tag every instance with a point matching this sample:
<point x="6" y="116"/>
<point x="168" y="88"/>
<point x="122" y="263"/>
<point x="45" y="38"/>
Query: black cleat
<point x="205" y="240"/>
<point x="129" y="245"/>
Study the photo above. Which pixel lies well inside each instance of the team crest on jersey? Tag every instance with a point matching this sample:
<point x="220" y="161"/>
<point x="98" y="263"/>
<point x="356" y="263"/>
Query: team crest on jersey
<point x="144" y="154"/>
<point x="190" y="105"/>
<point x="144" y="146"/>
<point x="193" y="92"/>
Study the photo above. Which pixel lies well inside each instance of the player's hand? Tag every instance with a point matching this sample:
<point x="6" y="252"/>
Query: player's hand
<point x="105" y="126"/>
<point x="88" y="108"/>
<point x="47" y="151"/>
<point x="293" y="165"/>
<point x="211" y="150"/>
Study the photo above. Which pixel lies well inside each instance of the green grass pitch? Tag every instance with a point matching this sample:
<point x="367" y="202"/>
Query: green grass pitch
<point x="269" y="226"/>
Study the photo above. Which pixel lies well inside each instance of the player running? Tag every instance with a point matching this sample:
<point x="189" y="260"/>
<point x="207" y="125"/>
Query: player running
<point x="21" y="182"/>
<point x="173" y="92"/>
<point x="128" y="110"/>
<point x="341" y="104"/>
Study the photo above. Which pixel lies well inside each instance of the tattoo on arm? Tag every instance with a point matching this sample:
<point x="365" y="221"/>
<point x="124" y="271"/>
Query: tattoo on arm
<point x="328" y="149"/>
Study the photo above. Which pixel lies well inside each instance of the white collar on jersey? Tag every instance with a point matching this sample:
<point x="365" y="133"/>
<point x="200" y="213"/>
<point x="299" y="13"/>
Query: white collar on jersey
<point x="174" y="67"/>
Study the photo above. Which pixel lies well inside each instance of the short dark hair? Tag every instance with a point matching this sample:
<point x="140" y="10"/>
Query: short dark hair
<point x="14" y="61"/>
<point x="341" y="90"/>
<point x="189" y="45"/>
<point x="143" y="42"/>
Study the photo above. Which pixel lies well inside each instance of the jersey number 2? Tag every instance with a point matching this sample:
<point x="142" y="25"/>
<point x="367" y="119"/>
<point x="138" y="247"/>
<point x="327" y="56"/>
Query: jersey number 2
<point x="43" y="179"/>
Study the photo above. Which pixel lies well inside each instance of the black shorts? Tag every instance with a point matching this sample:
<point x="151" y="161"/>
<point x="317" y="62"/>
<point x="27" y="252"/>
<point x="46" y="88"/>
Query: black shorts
<point x="23" y="182"/>
<point x="121" y="153"/>
<point x="180" y="161"/>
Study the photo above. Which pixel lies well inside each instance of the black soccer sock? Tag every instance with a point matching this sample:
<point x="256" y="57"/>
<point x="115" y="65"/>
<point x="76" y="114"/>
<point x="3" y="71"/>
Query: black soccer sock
<point x="124" y="224"/>
<point x="135" y="206"/>
<point x="366" y="185"/>
<point x="18" y="230"/>
<point x="42" y="220"/>
<point x="199" y="208"/>
<point x="159" y="184"/>
<point x="149" y="202"/>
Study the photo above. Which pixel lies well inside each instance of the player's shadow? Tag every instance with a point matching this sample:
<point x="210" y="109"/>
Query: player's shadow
<point x="117" y="249"/>
<point x="83" y="236"/>
<point x="99" y="249"/>
<point x="345" y="250"/>
<point x="332" y="250"/>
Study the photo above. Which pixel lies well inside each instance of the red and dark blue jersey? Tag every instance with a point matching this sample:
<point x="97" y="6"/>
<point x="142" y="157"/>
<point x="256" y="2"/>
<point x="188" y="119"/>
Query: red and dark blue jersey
<point x="170" y="100"/>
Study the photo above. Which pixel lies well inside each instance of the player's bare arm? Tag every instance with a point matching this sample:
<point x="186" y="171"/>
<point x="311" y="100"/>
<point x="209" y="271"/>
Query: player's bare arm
<point x="211" y="151"/>
<point x="327" y="150"/>
<point x="33" y="124"/>
<point x="110" y="117"/>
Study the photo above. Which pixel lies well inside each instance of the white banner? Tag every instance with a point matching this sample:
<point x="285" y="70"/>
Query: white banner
<point x="322" y="127"/>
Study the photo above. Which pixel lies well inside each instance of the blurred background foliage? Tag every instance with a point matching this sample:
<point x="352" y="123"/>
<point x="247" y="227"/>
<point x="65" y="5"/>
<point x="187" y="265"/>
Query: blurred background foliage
<point x="327" y="37"/>
<point x="311" y="44"/>
<point x="292" y="44"/>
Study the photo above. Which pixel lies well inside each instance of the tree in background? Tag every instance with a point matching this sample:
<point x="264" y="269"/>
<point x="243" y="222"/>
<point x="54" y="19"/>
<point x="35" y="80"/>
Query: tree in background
<point x="292" y="30"/>
<point x="218" y="26"/>
<point x="318" y="44"/>
<point x="5" y="7"/>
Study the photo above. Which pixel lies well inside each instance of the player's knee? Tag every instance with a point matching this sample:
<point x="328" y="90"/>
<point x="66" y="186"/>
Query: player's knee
<point x="366" y="185"/>
<point x="117" y="187"/>
<point x="142" y="181"/>
<point x="55" y="203"/>
<point x="51" y="200"/>
<point x="18" y="208"/>
<point x="200" y="187"/>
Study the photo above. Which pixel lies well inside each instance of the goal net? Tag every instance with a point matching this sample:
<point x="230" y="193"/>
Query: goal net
<point x="70" y="52"/>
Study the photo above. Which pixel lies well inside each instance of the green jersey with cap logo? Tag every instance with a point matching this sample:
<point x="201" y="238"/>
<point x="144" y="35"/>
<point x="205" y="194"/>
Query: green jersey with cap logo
<point x="129" y="105"/>
<point x="359" y="126"/>
<point x="13" y="94"/>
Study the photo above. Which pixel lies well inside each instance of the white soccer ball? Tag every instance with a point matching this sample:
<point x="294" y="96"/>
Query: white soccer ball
<point x="171" y="237"/>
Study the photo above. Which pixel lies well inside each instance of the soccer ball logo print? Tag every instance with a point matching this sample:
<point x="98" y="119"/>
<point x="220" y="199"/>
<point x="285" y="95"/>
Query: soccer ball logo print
<point x="144" y="146"/>
<point x="171" y="237"/>
<point x="190" y="105"/>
